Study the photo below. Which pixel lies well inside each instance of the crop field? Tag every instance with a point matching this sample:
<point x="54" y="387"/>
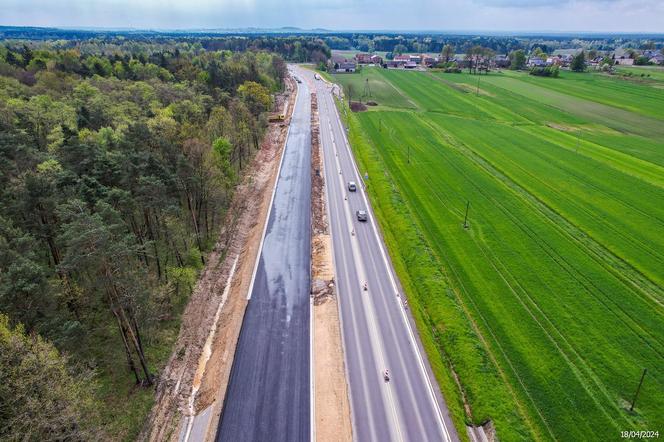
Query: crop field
<point x="654" y="72"/>
<point x="550" y="304"/>
<point x="382" y="91"/>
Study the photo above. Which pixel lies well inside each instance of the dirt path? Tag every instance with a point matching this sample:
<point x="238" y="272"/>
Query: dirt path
<point x="196" y="376"/>
<point x="332" y="407"/>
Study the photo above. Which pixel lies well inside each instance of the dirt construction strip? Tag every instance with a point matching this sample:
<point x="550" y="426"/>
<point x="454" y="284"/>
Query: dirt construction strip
<point x="332" y="407"/>
<point x="192" y="386"/>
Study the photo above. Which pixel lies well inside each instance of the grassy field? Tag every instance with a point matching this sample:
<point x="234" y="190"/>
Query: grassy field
<point x="379" y="90"/>
<point x="654" y="72"/>
<point x="550" y="305"/>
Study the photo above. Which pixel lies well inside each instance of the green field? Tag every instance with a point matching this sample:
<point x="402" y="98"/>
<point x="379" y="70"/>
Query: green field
<point x="654" y="72"/>
<point x="551" y="303"/>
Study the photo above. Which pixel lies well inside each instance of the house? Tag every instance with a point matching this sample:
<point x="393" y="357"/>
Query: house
<point x="429" y="61"/>
<point x="649" y="53"/>
<point x="417" y="59"/>
<point x="624" y="61"/>
<point x="565" y="59"/>
<point x="554" y="61"/>
<point x="535" y="62"/>
<point x="376" y="59"/>
<point x="346" y="66"/>
<point x="363" y="58"/>
<point x="394" y="63"/>
<point x="657" y="59"/>
<point x="501" y="61"/>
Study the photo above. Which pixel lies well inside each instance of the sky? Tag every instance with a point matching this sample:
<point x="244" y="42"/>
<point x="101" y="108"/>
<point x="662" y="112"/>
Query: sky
<point x="642" y="16"/>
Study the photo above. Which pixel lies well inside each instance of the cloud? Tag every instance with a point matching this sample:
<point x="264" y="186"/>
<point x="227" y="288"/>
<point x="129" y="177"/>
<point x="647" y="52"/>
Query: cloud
<point x="442" y="15"/>
<point x="522" y="3"/>
<point x="542" y="3"/>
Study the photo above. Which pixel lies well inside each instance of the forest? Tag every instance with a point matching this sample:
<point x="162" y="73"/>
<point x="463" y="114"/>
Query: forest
<point x="118" y="160"/>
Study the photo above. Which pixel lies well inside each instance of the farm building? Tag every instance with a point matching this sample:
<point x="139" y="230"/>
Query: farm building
<point x="345" y="66"/>
<point x="624" y="61"/>
<point x="501" y="61"/>
<point x="363" y="58"/>
<point x="535" y="61"/>
<point x="657" y="59"/>
<point x="376" y="59"/>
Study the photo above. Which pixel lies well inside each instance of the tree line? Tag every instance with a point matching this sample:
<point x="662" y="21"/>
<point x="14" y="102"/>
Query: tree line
<point x="116" y="169"/>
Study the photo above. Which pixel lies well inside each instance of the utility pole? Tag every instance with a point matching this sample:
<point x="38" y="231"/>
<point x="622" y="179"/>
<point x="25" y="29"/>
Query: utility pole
<point x="578" y="140"/>
<point x="643" y="375"/>
<point x="465" y="219"/>
<point x="477" y="93"/>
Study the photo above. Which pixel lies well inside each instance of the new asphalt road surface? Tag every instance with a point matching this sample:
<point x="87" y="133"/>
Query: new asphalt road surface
<point x="268" y="397"/>
<point x="378" y="332"/>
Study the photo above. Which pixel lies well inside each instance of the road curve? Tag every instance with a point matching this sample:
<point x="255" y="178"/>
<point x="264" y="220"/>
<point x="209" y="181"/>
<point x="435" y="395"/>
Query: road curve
<point x="268" y="396"/>
<point x="378" y="332"/>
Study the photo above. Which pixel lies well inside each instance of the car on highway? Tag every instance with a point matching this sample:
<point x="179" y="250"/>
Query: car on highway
<point x="361" y="215"/>
<point x="352" y="187"/>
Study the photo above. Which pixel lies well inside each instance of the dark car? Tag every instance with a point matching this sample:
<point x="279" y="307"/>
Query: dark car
<point x="361" y="215"/>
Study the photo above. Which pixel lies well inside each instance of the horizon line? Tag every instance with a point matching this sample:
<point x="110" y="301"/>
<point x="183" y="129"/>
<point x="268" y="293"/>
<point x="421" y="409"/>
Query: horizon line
<point x="296" y="29"/>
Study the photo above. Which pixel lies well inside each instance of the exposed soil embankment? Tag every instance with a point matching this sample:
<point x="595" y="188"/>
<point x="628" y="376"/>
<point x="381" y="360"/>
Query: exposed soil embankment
<point x="332" y="407"/>
<point x="197" y="373"/>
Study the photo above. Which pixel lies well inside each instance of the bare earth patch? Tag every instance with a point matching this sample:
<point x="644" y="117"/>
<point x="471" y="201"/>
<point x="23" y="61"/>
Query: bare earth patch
<point x="356" y="106"/>
<point x="196" y="375"/>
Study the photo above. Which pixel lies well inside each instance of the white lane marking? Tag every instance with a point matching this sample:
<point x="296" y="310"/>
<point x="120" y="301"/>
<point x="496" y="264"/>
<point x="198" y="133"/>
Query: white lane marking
<point x="385" y="299"/>
<point x="336" y="225"/>
<point x="312" y="381"/>
<point x="274" y="191"/>
<point x="439" y="414"/>
<point x="332" y="225"/>
<point x="377" y="347"/>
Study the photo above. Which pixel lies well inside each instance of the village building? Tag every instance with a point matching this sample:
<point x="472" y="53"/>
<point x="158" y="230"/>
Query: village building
<point x="535" y="62"/>
<point x="623" y="61"/>
<point x="363" y="58"/>
<point x="377" y="59"/>
<point x="429" y="61"/>
<point x="417" y="59"/>
<point x="501" y="61"/>
<point x="657" y="59"/>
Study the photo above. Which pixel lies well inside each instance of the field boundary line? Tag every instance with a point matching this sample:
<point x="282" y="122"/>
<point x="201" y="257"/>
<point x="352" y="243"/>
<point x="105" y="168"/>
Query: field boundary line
<point x="402" y="93"/>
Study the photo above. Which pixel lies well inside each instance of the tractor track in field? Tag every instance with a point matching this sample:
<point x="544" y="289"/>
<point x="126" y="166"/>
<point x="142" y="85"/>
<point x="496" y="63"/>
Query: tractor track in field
<point x="637" y="243"/>
<point x="573" y="241"/>
<point x="581" y="373"/>
<point x="616" y="265"/>
<point x="595" y="188"/>
<point x="557" y="220"/>
<point x="584" y="374"/>
<point x="506" y="276"/>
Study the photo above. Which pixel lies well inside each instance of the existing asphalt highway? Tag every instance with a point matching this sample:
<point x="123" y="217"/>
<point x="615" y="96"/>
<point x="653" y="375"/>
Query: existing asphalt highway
<point x="268" y="396"/>
<point x="378" y="332"/>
